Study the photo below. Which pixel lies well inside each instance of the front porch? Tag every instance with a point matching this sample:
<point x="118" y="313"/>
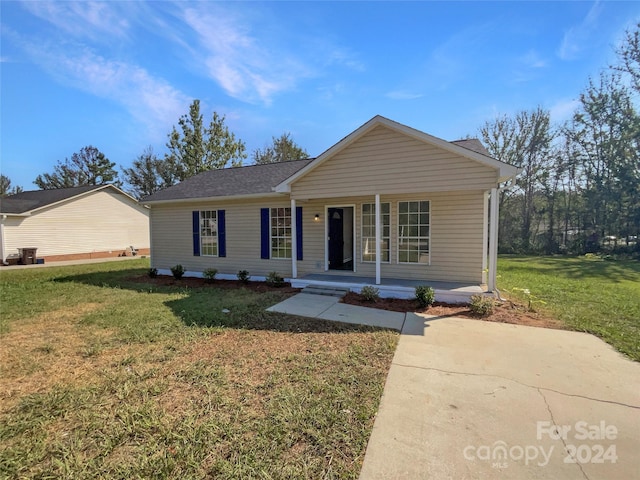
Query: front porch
<point x="448" y="292"/>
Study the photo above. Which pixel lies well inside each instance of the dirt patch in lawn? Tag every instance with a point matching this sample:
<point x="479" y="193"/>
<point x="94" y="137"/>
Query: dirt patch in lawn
<point x="503" y="312"/>
<point x="195" y="282"/>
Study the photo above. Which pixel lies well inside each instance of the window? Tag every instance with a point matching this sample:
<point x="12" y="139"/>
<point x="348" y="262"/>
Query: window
<point x="368" y="238"/>
<point x="209" y="233"/>
<point x="413" y="232"/>
<point x="281" y="232"/>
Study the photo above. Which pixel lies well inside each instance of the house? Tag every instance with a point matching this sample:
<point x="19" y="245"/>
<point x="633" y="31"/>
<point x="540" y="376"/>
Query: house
<point x="72" y="223"/>
<point x="388" y="206"/>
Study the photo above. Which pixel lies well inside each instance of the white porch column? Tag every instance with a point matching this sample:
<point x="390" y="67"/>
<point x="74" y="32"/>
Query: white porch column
<point x="294" y="242"/>
<point x="493" y="241"/>
<point x="485" y="236"/>
<point x="378" y="239"/>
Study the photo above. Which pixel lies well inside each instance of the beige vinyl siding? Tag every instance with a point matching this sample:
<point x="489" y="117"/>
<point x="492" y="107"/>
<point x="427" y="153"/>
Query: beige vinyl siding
<point x="387" y="162"/>
<point x="100" y="221"/>
<point x="455" y="246"/>
<point x="172" y="238"/>
<point x="456" y="237"/>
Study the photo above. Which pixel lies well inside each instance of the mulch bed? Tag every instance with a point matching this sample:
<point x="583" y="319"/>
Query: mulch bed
<point x="504" y="312"/>
<point x="194" y="282"/>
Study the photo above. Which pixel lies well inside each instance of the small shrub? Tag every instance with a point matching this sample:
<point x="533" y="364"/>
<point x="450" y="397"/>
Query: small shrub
<point x="275" y="280"/>
<point x="177" y="271"/>
<point x="481" y="305"/>
<point x="209" y="274"/>
<point x="243" y="276"/>
<point x="425" y="295"/>
<point x="370" y="294"/>
<point x="153" y="272"/>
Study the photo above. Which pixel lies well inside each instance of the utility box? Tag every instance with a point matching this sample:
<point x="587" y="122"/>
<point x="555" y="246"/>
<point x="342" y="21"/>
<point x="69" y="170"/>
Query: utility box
<point x="28" y="256"/>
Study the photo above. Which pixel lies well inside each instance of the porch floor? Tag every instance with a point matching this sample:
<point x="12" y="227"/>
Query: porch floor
<point x="393" y="287"/>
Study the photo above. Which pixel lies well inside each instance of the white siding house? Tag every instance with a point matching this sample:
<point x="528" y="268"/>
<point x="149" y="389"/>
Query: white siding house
<point x="73" y="223"/>
<point x="388" y="205"/>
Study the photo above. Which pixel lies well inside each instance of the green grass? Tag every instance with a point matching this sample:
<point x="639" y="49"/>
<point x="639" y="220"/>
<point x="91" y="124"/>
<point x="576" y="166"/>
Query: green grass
<point x="106" y="376"/>
<point x="588" y="294"/>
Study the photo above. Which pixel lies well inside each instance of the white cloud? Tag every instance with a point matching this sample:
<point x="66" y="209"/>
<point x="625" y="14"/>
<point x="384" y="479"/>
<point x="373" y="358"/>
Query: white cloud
<point x="563" y="110"/>
<point x="403" y="95"/>
<point x="248" y="68"/>
<point x="95" y="20"/>
<point x="577" y="37"/>
<point x="533" y="60"/>
<point x="150" y="100"/>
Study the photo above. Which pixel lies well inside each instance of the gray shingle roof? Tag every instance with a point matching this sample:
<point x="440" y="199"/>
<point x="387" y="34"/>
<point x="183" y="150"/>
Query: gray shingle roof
<point x="472" y="144"/>
<point x="24" y="202"/>
<point x="224" y="182"/>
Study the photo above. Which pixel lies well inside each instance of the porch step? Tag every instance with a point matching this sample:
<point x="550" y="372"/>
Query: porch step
<point x="327" y="291"/>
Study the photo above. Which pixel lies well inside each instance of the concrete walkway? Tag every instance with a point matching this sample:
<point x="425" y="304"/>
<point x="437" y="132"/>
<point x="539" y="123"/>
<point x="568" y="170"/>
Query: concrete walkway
<point x="329" y="308"/>
<point x="467" y="399"/>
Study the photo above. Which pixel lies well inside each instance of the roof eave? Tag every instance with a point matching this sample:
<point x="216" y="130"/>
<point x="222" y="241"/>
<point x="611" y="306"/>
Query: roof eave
<point x="247" y="196"/>
<point x="9" y="214"/>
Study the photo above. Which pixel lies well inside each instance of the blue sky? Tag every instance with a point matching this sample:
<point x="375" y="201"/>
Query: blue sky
<point x="118" y="75"/>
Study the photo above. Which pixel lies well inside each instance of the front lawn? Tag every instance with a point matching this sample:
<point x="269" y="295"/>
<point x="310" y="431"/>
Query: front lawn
<point x="103" y="376"/>
<point x="588" y="294"/>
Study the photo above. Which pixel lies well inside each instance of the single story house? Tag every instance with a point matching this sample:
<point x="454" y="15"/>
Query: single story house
<point x="387" y="205"/>
<point x="92" y="221"/>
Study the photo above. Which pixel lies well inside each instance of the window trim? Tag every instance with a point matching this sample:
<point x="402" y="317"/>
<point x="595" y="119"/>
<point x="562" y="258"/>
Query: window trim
<point x="382" y="237"/>
<point x="202" y="236"/>
<point x="271" y="257"/>
<point x="428" y="237"/>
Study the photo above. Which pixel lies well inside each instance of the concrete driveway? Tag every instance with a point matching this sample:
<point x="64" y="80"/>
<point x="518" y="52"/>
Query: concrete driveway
<point x="468" y="399"/>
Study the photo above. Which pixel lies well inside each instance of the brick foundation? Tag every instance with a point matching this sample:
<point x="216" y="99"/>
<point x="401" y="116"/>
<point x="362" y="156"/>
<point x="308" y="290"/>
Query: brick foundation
<point x="90" y="255"/>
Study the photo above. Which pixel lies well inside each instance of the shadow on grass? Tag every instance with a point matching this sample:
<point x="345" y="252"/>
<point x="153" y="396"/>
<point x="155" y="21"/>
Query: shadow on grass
<point x="575" y="267"/>
<point x="209" y="306"/>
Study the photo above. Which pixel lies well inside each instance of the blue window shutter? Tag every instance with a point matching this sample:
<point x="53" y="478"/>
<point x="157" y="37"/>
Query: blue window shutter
<point x="222" y="235"/>
<point x="195" y="215"/>
<point x="299" y="232"/>
<point x="264" y="233"/>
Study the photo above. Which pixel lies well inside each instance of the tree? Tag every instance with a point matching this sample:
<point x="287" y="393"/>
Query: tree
<point x="5" y="187"/>
<point x="605" y="132"/>
<point x="523" y="141"/>
<point x="629" y="54"/>
<point x="148" y="174"/>
<point x="282" y="149"/>
<point x="89" y="166"/>
<point x="196" y="149"/>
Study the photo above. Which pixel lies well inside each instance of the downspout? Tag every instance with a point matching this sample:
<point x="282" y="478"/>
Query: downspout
<point x="2" y="249"/>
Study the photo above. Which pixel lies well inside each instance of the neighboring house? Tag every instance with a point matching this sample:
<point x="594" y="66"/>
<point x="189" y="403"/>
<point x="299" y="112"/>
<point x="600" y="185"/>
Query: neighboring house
<point x="387" y="205"/>
<point x="73" y="223"/>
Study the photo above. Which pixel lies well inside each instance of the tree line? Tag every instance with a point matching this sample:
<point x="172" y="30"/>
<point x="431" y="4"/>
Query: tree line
<point x="193" y="147"/>
<point x="578" y="190"/>
<point x="579" y="186"/>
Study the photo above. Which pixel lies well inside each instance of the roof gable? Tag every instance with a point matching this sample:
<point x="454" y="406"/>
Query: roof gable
<point x="471" y="149"/>
<point x="25" y="203"/>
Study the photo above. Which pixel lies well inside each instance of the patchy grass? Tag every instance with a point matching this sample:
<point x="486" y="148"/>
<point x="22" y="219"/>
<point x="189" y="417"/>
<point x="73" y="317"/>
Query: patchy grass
<point x="588" y="294"/>
<point x="101" y="376"/>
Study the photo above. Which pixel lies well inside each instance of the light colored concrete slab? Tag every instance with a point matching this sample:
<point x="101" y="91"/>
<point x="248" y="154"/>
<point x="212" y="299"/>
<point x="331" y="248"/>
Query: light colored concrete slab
<point x="304" y="305"/>
<point x="470" y="399"/>
<point x="373" y="317"/>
